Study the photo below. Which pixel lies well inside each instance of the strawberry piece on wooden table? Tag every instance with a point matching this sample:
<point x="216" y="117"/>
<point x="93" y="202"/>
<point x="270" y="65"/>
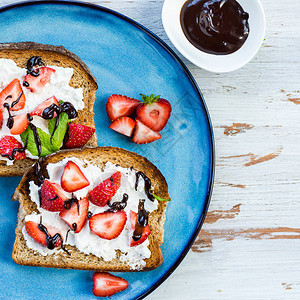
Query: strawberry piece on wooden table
<point x="118" y="106"/>
<point x="123" y="125"/>
<point x="39" y="236"/>
<point x="35" y="83"/>
<point x="38" y="111"/>
<point x="76" y="215"/>
<point x="14" y="95"/>
<point x="72" y="178"/>
<point x="104" y="191"/>
<point x="108" y="225"/>
<point x="52" y="197"/>
<point x="144" y="232"/>
<point x="20" y="124"/>
<point x="8" y="144"/>
<point x="105" y="284"/>
<point x="143" y="134"/>
<point x="78" y="135"/>
<point x="154" y="112"/>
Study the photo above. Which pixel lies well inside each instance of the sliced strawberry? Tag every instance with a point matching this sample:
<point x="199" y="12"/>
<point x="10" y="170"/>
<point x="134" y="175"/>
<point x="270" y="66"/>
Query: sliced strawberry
<point x="136" y="228"/>
<point x="104" y="191"/>
<point x="21" y="122"/>
<point x="78" y="135"/>
<point x="73" y="179"/>
<point x="41" y="107"/>
<point x="76" y="216"/>
<point x="118" y="106"/>
<point x="143" y="134"/>
<point x="52" y="197"/>
<point x="14" y="95"/>
<point x="39" y="235"/>
<point x="105" y="284"/>
<point x="8" y="145"/>
<point x="35" y="83"/>
<point x="124" y="125"/>
<point x="108" y="225"/>
<point x="154" y="112"/>
<point x="1" y="118"/>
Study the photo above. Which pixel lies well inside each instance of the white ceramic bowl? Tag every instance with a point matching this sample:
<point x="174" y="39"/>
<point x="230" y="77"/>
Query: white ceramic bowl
<point x="216" y="63"/>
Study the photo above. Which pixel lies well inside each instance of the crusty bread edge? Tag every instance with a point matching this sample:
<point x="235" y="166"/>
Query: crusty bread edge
<point x="19" y="167"/>
<point x="87" y="262"/>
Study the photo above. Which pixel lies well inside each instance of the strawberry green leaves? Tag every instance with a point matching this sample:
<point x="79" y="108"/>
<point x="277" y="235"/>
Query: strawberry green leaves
<point x="159" y="198"/>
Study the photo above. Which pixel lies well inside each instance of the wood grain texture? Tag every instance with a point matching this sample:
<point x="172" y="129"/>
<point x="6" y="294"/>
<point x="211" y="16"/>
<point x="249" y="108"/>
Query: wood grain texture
<point x="249" y="247"/>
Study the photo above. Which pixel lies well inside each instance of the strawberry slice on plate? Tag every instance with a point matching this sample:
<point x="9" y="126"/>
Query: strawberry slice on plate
<point x="143" y="134"/>
<point x="108" y="225"/>
<point x="154" y="112"/>
<point x="124" y="125"/>
<point x="8" y="147"/>
<point x="38" y="111"/>
<point x="118" y="106"/>
<point x="37" y="233"/>
<point x="52" y="197"/>
<point x="14" y="95"/>
<point x="72" y="178"/>
<point x="141" y="233"/>
<point x="76" y="215"/>
<point x="78" y="135"/>
<point x="20" y="124"/>
<point x="35" y="83"/>
<point x="104" y="191"/>
<point x="105" y="284"/>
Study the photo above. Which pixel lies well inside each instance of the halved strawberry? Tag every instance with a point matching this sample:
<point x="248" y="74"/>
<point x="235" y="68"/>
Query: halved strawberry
<point x="104" y="191"/>
<point x="154" y="112"/>
<point x="78" y="135"/>
<point x="40" y="108"/>
<point x="108" y="225"/>
<point x="76" y="216"/>
<point x="21" y="122"/>
<point x="124" y="125"/>
<point x="34" y="83"/>
<point x="39" y="236"/>
<point x="73" y="179"/>
<point x="105" y="284"/>
<point x="8" y="144"/>
<point x="118" y="106"/>
<point x="144" y="232"/>
<point x="52" y="197"/>
<point x="143" y="134"/>
<point x="14" y="95"/>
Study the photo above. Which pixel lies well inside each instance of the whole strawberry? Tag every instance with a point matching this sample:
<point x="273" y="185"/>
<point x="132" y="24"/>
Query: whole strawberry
<point x="154" y="112"/>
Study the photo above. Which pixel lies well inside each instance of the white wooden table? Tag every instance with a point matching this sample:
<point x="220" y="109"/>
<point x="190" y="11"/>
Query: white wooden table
<point x="249" y="247"/>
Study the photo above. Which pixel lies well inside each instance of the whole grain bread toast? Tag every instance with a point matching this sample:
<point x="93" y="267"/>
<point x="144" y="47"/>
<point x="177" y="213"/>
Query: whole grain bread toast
<point x="78" y="260"/>
<point x="56" y="56"/>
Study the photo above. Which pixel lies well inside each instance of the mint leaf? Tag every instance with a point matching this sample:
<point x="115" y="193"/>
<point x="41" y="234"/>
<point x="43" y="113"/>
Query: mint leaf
<point x="60" y="131"/>
<point x="31" y="147"/>
<point x="160" y="199"/>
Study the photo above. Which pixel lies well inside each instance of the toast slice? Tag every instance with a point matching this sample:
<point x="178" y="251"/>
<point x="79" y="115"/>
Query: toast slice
<point x="78" y="260"/>
<point x="55" y="56"/>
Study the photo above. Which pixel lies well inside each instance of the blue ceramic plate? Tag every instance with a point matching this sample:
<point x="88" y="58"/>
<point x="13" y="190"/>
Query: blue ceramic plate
<point x="125" y="58"/>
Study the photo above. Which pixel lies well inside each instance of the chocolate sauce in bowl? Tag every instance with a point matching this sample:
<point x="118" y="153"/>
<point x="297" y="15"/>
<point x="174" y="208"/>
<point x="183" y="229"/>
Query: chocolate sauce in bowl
<point x="217" y="27"/>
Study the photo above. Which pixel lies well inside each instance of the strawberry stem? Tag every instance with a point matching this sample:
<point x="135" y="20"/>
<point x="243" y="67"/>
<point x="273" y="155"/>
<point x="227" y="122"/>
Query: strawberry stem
<point x="150" y="99"/>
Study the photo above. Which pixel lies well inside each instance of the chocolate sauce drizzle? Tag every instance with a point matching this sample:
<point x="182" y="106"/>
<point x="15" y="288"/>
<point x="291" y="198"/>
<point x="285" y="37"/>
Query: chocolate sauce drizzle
<point x="89" y="215"/>
<point x="10" y="120"/>
<point x="68" y="203"/>
<point x="52" y="240"/>
<point x="33" y="65"/>
<point x="36" y="138"/>
<point x="119" y="205"/>
<point x="142" y="221"/>
<point x="39" y="170"/>
<point x="17" y="100"/>
<point x="147" y="184"/>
